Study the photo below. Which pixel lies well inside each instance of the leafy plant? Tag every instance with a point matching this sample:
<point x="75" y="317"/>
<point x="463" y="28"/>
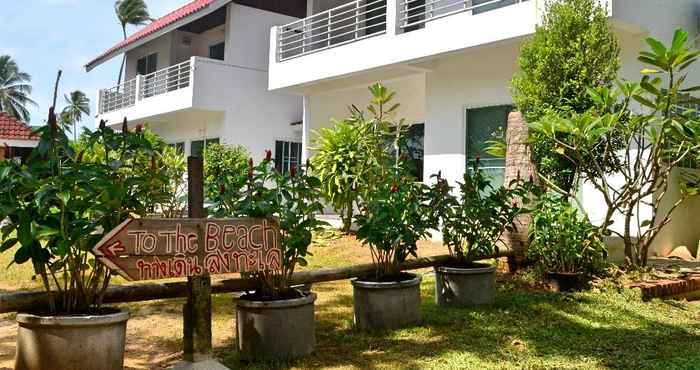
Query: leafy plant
<point x="656" y="141"/>
<point x="396" y="217"/>
<point x="563" y="240"/>
<point x="174" y="166"/>
<point x="224" y="164"/>
<point x="292" y="197"/>
<point x="473" y="220"/>
<point x="350" y="157"/>
<point x="573" y="49"/>
<point x="62" y="201"/>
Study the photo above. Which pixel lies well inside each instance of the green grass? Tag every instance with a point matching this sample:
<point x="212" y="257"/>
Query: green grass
<point x="605" y="328"/>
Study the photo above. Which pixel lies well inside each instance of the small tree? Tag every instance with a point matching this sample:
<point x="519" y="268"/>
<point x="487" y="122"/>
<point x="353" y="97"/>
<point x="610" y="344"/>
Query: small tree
<point x="573" y="49"/>
<point x="174" y="166"/>
<point x="224" y="164"/>
<point x="350" y="156"/>
<point x="656" y="142"/>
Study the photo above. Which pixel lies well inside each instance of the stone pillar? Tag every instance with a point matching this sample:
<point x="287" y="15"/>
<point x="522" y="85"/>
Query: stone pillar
<point x="518" y="164"/>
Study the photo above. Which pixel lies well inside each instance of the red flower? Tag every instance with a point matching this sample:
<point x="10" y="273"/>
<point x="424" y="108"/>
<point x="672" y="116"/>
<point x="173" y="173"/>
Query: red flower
<point x="293" y="170"/>
<point x="268" y="155"/>
<point x="478" y="158"/>
<point x="153" y="162"/>
<point x="531" y="179"/>
<point x="518" y="175"/>
<point x="394" y="188"/>
<point x="52" y="120"/>
<point x="222" y="189"/>
<point x="139" y="128"/>
<point x="250" y="168"/>
<point x="125" y="126"/>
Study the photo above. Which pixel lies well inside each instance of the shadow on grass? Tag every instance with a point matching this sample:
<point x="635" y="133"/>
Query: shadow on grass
<point x="521" y="330"/>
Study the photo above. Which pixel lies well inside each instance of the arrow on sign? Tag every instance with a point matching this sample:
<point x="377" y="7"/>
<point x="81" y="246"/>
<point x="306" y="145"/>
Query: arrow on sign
<point x="115" y="249"/>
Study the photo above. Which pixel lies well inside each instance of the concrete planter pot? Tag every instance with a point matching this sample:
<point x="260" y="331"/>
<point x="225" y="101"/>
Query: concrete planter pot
<point x="387" y="305"/>
<point x="276" y="330"/>
<point x="567" y="281"/>
<point x="460" y="287"/>
<point x="71" y="342"/>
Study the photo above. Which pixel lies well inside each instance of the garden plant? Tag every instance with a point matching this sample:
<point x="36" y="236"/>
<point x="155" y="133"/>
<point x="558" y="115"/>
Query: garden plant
<point x="574" y="48"/>
<point x="659" y="137"/>
<point x="564" y="246"/>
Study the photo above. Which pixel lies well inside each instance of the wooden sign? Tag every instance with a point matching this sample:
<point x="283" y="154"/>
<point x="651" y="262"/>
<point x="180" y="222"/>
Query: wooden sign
<point x="153" y="249"/>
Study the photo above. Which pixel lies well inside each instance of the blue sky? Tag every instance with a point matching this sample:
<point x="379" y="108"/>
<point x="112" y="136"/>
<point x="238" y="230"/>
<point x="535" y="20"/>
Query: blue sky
<point x="43" y="36"/>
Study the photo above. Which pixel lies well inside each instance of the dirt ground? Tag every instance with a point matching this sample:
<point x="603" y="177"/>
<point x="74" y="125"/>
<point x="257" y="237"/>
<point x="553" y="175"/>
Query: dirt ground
<point x="154" y="331"/>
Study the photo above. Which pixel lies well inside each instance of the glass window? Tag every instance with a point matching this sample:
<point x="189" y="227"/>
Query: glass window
<point x="491" y="5"/>
<point x="484" y="124"/>
<point x="197" y="146"/>
<point x="147" y="64"/>
<point x="179" y="146"/>
<point x="287" y="154"/>
<point x="217" y="51"/>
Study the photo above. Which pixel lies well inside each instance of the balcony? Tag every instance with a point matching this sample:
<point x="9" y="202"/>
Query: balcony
<point x="389" y="37"/>
<point x="197" y="84"/>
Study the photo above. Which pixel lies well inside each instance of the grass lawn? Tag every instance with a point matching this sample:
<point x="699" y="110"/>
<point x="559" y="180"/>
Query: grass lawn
<point x="527" y="328"/>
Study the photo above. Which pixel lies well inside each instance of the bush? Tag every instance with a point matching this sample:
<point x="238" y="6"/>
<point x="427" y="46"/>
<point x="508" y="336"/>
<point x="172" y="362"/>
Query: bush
<point x="473" y="220"/>
<point x="224" y="164"/>
<point x="174" y="165"/>
<point x="562" y="240"/>
<point x="572" y="50"/>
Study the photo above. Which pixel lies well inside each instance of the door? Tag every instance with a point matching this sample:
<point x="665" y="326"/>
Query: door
<point x="483" y="125"/>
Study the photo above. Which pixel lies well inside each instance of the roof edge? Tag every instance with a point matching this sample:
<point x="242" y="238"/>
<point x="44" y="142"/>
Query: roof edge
<point x="156" y="34"/>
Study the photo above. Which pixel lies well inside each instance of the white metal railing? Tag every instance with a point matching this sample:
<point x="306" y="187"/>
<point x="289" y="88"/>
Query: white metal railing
<point x="414" y="13"/>
<point x="165" y="80"/>
<point x="141" y="87"/>
<point x="118" y="97"/>
<point x="337" y="26"/>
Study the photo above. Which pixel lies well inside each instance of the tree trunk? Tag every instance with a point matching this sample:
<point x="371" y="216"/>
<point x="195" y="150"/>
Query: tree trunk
<point x="518" y="164"/>
<point x="121" y="69"/>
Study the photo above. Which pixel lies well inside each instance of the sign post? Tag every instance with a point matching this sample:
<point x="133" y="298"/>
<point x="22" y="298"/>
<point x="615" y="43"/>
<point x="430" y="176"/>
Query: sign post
<point x="197" y="311"/>
<point x="196" y="248"/>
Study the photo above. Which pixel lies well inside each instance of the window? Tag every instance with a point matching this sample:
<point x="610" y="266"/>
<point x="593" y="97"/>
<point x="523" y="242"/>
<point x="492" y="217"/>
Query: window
<point x="179" y="146"/>
<point x="491" y="5"/>
<point x="217" y="51"/>
<point x="484" y="124"/>
<point x="412" y="147"/>
<point x="147" y="64"/>
<point x="287" y="154"/>
<point x="197" y="146"/>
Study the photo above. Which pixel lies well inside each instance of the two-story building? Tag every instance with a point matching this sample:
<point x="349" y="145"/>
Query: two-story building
<point x="199" y="75"/>
<point x="451" y="63"/>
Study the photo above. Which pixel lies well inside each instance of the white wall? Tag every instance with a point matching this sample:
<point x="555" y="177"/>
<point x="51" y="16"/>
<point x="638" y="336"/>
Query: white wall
<point x="162" y="45"/>
<point x="249" y="35"/>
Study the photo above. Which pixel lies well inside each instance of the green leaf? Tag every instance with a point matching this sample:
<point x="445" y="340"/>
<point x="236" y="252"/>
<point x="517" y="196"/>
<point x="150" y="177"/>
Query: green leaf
<point x="7" y="244"/>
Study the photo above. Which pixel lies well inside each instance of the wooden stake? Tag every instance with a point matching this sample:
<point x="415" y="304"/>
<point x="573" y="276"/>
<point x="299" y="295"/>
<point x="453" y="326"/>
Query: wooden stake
<point x="197" y="310"/>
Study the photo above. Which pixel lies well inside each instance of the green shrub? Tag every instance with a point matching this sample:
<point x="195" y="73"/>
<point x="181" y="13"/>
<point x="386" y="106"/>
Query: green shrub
<point x="224" y="164"/>
<point x="572" y="50"/>
<point x="563" y="240"/>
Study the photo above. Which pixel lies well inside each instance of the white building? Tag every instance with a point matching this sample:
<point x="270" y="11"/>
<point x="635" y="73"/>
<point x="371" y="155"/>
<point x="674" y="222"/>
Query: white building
<point x="451" y="62"/>
<point x="199" y="75"/>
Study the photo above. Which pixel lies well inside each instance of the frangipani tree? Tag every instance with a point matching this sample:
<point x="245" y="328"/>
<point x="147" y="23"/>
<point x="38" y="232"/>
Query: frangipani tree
<point x="657" y="139"/>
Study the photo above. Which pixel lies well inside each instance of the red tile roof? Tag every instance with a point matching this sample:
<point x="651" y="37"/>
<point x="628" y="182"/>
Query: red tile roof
<point x="153" y="27"/>
<point x="12" y="129"/>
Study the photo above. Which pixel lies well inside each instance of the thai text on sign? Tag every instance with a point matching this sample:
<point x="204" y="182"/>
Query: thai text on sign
<point x="152" y="249"/>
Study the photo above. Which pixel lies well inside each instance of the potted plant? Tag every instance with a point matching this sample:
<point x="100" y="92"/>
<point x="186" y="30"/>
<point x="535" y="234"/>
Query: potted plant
<point x="396" y="216"/>
<point x="565" y="247"/>
<point x="472" y="223"/>
<point x="276" y="320"/>
<point x="59" y="204"/>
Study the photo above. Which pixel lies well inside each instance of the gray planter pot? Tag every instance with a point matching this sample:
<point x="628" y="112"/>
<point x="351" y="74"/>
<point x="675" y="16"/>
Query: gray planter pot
<point x="71" y="342"/>
<point x="460" y="287"/>
<point x="276" y="330"/>
<point x="385" y="306"/>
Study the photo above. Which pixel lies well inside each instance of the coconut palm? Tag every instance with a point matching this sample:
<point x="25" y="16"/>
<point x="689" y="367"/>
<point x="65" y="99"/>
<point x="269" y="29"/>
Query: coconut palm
<point x="77" y="105"/>
<point x="14" y="89"/>
<point x="133" y="12"/>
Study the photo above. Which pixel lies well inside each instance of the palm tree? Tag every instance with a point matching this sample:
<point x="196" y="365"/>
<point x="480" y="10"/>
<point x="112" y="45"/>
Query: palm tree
<point x="133" y="12"/>
<point x="78" y="105"/>
<point x="14" y="89"/>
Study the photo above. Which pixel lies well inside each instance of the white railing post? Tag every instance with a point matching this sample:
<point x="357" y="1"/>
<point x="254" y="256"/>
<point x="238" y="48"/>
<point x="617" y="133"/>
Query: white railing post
<point x="100" y="101"/>
<point x="328" y="29"/>
<point x="392" y="17"/>
<point x="192" y="67"/>
<point x="357" y="19"/>
<point x="138" y="89"/>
